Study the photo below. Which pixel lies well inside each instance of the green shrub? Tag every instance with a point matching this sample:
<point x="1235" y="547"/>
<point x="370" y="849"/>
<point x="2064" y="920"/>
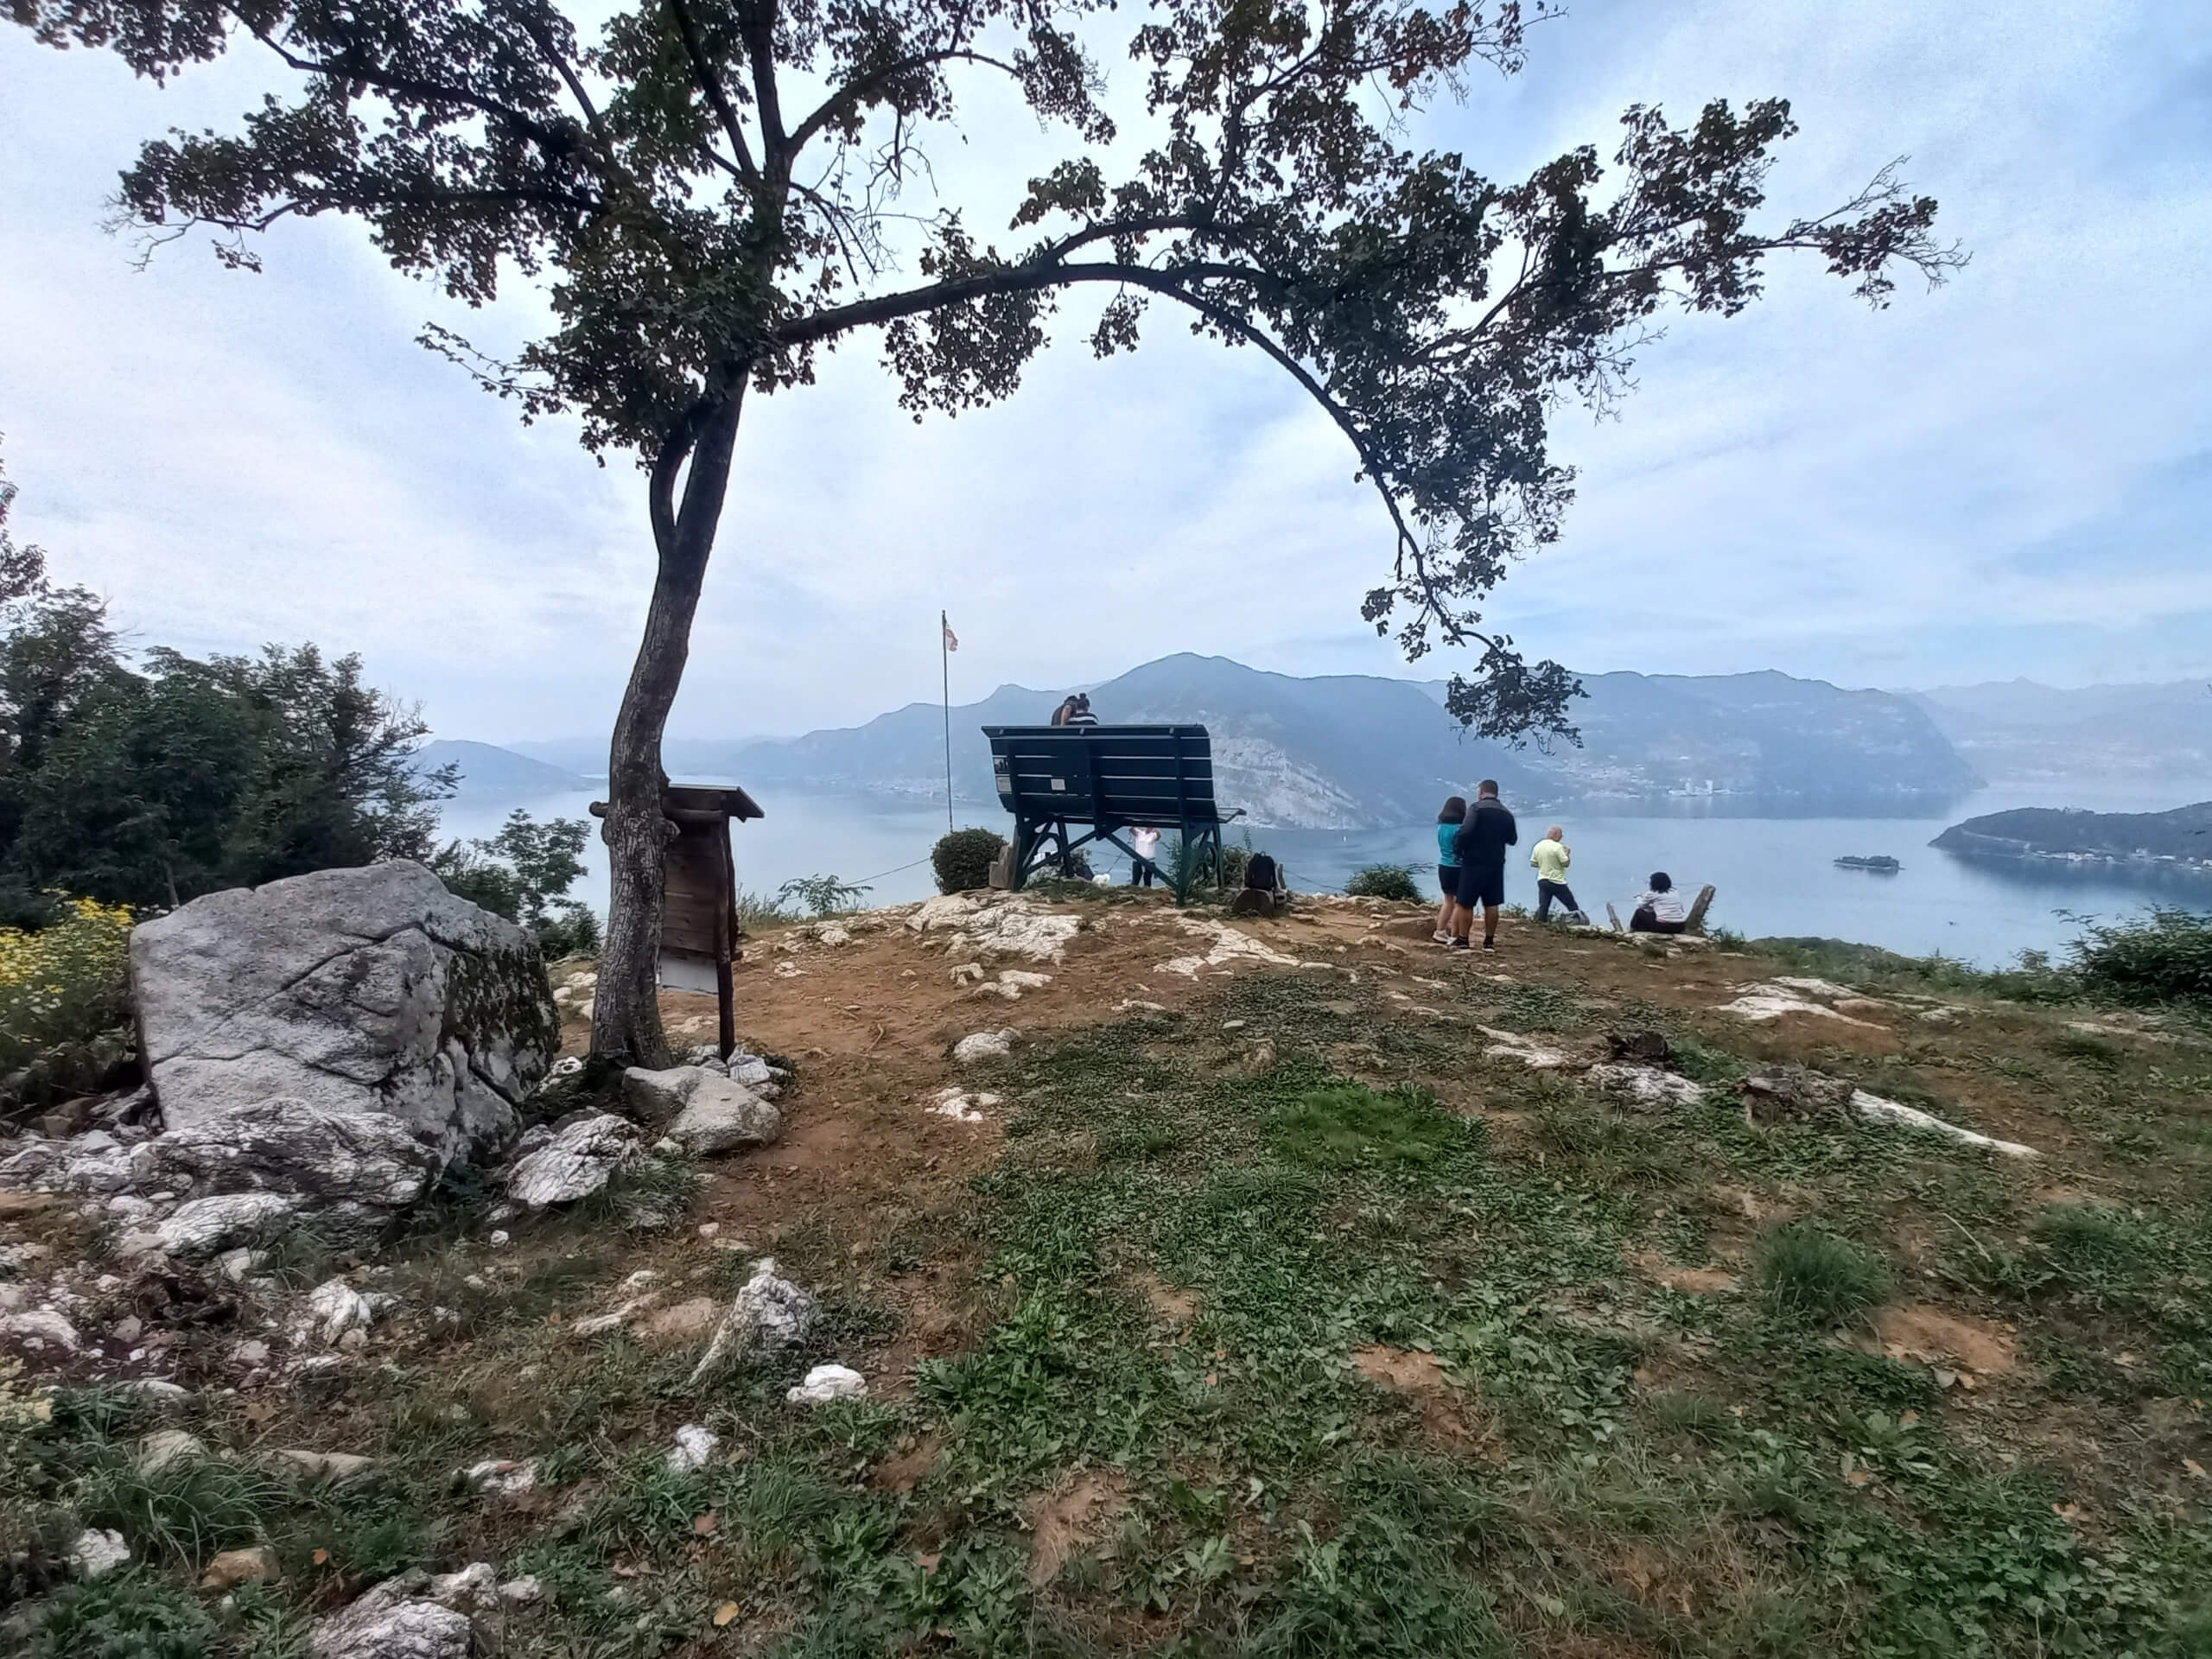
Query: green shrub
<point x="1810" y="1274"/>
<point x="2093" y="1237"/>
<point x="822" y="895"/>
<point x="1347" y="1124"/>
<point x="1385" y="881"/>
<point x="130" y="1613"/>
<point x="62" y="986"/>
<point x="2164" y="956"/>
<point x="963" y="859"/>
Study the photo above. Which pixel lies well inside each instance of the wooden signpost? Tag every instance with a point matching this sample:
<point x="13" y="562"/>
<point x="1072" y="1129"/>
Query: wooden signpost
<point x="699" y="929"/>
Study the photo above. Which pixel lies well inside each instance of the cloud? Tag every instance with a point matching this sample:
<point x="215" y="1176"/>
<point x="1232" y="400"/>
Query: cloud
<point x="2005" y="477"/>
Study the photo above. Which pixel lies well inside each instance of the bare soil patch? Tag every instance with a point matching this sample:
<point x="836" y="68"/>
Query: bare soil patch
<point x="1928" y="1334"/>
<point x="1077" y="1514"/>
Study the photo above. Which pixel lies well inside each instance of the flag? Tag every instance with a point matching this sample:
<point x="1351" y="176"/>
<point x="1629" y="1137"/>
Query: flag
<point x="951" y="639"/>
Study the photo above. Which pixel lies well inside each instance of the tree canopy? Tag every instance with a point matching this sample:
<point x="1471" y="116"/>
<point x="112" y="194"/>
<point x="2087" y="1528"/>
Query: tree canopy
<point x="150" y="786"/>
<point x="719" y="189"/>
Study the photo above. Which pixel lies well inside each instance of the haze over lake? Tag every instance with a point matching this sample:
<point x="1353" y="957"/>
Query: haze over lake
<point x="1777" y="875"/>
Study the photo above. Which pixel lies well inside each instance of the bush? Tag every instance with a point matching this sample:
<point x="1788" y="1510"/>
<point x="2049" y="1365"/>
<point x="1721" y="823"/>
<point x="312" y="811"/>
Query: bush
<point x="1385" y="881"/>
<point x="822" y="895"/>
<point x="1810" y="1274"/>
<point x="2164" y="956"/>
<point x="128" y="1614"/>
<point x="64" y="983"/>
<point x="962" y="860"/>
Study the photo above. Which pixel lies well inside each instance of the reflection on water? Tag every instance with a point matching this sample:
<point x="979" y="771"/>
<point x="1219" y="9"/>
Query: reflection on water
<point x="1775" y="874"/>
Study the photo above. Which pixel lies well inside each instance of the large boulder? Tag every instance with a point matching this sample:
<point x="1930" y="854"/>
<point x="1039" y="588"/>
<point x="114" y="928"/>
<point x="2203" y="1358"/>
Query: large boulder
<point x="369" y="994"/>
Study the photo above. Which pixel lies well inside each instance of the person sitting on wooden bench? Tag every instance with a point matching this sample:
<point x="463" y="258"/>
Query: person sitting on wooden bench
<point x="1659" y="908"/>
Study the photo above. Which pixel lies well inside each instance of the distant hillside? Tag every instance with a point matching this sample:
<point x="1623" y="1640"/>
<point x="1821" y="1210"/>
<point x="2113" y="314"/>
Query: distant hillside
<point x="2181" y="836"/>
<point x="497" y="772"/>
<point x="1359" y="751"/>
<point x="2015" y="732"/>
<point x="1766" y="735"/>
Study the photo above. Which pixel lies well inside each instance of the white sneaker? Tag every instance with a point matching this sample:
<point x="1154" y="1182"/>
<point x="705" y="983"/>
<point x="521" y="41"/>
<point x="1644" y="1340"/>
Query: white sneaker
<point x="1442" y="937"/>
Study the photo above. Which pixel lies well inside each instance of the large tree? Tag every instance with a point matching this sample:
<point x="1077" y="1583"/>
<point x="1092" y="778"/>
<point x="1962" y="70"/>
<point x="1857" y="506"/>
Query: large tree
<point x="714" y="191"/>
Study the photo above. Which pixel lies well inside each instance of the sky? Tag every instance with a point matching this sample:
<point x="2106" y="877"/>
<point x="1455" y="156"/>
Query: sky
<point x="2009" y="476"/>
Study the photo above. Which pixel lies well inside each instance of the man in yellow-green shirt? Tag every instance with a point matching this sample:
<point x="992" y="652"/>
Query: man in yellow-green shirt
<point x="1551" y="856"/>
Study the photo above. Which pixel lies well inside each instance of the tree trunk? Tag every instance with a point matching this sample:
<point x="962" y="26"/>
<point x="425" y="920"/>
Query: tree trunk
<point x="625" y="1012"/>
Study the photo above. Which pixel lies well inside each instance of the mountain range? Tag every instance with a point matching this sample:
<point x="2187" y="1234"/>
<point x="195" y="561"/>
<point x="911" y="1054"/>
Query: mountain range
<point x="487" y="772"/>
<point x="2021" y="734"/>
<point x="1361" y="752"/>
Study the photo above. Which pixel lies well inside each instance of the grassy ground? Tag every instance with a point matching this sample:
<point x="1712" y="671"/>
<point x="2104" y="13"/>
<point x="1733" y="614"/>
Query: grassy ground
<point x="1269" y="1350"/>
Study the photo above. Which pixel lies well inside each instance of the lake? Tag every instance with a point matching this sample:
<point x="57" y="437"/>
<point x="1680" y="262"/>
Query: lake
<point x="1776" y="875"/>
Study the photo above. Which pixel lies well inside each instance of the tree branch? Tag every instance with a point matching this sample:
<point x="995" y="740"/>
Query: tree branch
<point x="710" y="86"/>
<point x="851" y="94"/>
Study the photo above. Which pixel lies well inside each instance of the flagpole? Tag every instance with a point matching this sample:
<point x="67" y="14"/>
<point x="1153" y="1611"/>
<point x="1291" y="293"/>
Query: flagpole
<point x="944" y="665"/>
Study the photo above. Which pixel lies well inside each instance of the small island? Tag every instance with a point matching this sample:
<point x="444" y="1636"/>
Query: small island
<point x="2179" y="839"/>
<point x="1880" y="863"/>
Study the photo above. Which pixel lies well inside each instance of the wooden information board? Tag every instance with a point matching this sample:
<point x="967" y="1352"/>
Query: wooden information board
<point x="699" y="929"/>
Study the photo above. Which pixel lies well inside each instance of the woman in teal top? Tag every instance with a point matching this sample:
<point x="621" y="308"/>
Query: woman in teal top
<point x="1448" y="820"/>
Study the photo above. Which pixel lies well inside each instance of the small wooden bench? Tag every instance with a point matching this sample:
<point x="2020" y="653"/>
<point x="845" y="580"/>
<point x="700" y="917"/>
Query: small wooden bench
<point x="1067" y="787"/>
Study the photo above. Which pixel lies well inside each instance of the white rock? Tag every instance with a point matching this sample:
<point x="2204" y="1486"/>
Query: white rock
<point x="157" y="1391"/>
<point x="333" y="1466"/>
<point x="525" y="1592"/>
<point x="580" y="1158"/>
<point x="96" y="1551"/>
<point x="1773" y="998"/>
<point x="165" y="1447"/>
<point x="830" y="933"/>
<point x="1646" y="1085"/>
<point x="827" y="1383"/>
<point x="499" y="1239"/>
<point x="501" y="1477"/>
<point x="206" y="1227"/>
<point x="1513" y="1045"/>
<point x="1226" y="947"/>
<point x="40" y="1325"/>
<point x="1873" y="1108"/>
<point x="328" y="1150"/>
<point x="598" y="1325"/>
<point x="983" y="1046"/>
<point x="475" y="1589"/>
<point x="722" y="1115"/>
<point x="751" y="1070"/>
<point x="334" y="1308"/>
<point x="955" y="1103"/>
<point x="694" y="1445"/>
<point x="769" y="1312"/>
<point x="369" y="991"/>
<point x="252" y="1351"/>
<point x="568" y="1065"/>
<point x="1004" y="923"/>
<point x="396" y="1619"/>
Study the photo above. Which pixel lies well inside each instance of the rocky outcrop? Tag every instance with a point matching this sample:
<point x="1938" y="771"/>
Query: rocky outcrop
<point x="358" y="995"/>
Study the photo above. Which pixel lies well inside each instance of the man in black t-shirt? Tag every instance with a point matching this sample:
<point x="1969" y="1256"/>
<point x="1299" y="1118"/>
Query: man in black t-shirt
<point x="1481" y="844"/>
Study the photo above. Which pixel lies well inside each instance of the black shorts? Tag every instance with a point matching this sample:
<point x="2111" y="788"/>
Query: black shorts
<point x="1447" y="880"/>
<point x="1482" y="884"/>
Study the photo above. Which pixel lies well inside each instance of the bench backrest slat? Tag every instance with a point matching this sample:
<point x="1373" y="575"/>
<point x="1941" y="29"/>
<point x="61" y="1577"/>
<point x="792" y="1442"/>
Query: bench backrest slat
<point x="1125" y="774"/>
